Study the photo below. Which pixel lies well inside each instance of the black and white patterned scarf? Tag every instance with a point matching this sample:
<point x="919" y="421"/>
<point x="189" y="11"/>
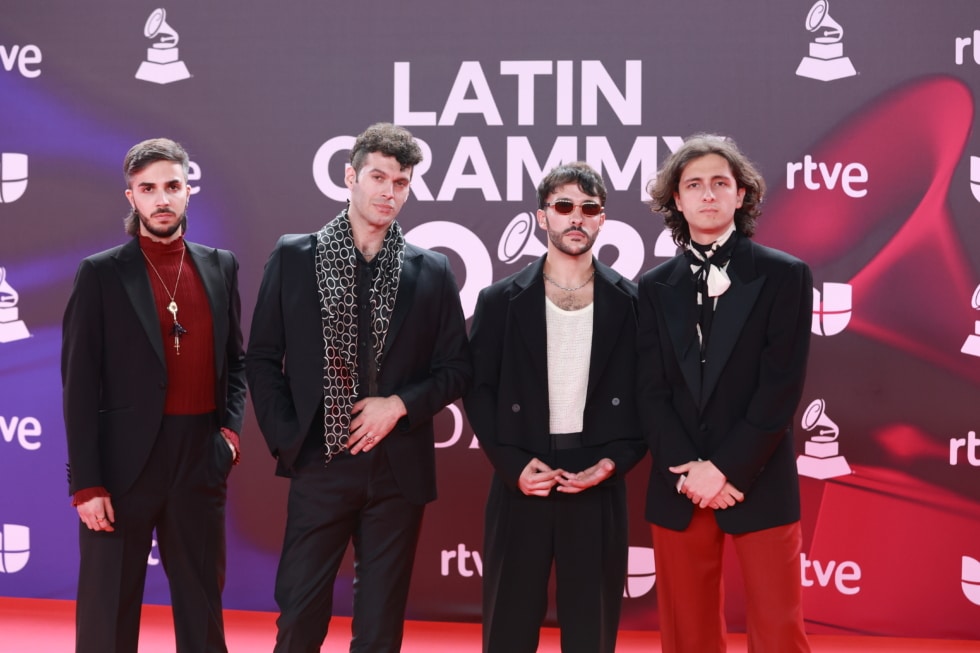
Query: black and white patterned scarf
<point x="336" y="274"/>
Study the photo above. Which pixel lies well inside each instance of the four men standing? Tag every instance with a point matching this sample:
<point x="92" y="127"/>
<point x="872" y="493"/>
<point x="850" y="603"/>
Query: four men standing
<point x="358" y="339"/>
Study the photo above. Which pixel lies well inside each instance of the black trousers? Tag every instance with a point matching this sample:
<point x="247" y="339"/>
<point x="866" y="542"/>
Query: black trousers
<point x="181" y="493"/>
<point x="584" y="536"/>
<point x="350" y="499"/>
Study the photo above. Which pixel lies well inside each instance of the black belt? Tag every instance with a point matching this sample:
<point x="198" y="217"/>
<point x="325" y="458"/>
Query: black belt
<point x="560" y="441"/>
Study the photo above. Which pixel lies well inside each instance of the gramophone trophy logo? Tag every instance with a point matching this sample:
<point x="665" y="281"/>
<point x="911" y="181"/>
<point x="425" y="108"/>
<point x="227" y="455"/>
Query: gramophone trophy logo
<point x="163" y="64"/>
<point x="821" y="458"/>
<point x="826" y="61"/>
<point x="971" y="345"/>
<point x="11" y="326"/>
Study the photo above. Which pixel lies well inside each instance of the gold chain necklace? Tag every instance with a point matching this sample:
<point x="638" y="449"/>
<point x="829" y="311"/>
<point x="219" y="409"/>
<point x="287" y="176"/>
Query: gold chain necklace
<point x="177" y="331"/>
<point x="557" y="285"/>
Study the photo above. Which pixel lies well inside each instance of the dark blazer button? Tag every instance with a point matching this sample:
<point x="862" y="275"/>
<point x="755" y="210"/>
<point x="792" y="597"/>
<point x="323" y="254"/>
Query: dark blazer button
<point x="516" y="408"/>
<point x="615" y="401"/>
<point x="703" y="427"/>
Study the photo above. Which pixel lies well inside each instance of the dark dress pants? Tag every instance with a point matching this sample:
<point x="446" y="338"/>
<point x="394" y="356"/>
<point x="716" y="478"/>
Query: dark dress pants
<point x="584" y="535"/>
<point x="350" y="499"/>
<point x="181" y="492"/>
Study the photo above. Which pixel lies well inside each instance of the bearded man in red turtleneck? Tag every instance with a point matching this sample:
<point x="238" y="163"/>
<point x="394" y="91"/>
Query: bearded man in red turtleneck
<point x="154" y="397"/>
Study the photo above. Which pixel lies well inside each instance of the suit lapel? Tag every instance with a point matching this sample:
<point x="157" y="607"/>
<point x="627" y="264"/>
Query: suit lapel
<point x="407" y="285"/>
<point x="677" y="296"/>
<point x="527" y="310"/>
<point x="136" y="281"/>
<point x="733" y="309"/>
<point x="205" y="260"/>
<point x="611" y="307"/>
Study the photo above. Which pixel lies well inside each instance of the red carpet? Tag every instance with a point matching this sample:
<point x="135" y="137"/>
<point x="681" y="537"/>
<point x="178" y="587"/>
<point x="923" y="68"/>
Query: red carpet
<point x="47" y="626"/>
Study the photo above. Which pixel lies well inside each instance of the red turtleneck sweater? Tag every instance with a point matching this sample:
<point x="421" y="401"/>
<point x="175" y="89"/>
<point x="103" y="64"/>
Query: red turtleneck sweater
<point x="190" y="374"/>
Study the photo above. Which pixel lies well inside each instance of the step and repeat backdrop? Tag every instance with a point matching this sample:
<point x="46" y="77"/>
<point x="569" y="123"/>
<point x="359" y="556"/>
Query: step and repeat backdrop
<point x="860" y="115"/>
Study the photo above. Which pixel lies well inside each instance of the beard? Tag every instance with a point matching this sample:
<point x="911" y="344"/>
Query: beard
<point x="557" y="239"/>
<point x="167" y="232"/>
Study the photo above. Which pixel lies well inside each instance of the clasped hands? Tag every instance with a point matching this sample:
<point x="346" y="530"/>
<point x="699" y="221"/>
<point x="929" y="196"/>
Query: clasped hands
<point x="706" y="486"/>
<point x="538" y="479"/>
<point x="97" y="514"/>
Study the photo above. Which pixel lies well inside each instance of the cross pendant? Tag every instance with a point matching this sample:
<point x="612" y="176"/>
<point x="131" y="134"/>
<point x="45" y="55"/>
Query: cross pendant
<point x="177" y="331"/>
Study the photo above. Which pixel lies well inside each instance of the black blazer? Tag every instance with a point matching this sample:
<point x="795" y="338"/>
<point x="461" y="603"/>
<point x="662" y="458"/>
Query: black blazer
<point x="113" y="370"/>
<point x="508" y="405"/>
<point x="425" y="360"/>
<point x="738" y="412"/>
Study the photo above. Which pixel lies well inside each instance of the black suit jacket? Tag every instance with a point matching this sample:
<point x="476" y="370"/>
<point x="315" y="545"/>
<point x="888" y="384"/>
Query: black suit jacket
<point x="112" y="363"/>
<point x="508" y="406"/>
<point x="738" y="410"/>
<point x="425" y="360"/>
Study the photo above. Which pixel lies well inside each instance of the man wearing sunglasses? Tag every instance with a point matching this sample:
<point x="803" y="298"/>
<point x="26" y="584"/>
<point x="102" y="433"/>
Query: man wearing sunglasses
<point x="553" y="405"/>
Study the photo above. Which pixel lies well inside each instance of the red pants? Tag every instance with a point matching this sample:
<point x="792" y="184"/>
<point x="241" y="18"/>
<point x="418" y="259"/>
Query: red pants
<point x="690" y="594"/>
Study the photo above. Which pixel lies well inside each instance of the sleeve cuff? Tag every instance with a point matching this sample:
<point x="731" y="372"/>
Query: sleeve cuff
<point x="234" y="442"/>
<point x="87" y="494"/>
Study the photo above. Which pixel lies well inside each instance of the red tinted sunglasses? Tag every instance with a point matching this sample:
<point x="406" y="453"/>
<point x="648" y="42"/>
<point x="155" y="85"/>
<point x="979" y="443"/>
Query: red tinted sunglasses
<point x="565" y="207"/>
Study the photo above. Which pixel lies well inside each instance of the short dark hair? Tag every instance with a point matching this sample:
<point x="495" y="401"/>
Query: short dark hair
<point x="143" y="154"/>
<point x="582" y="174"/>
<point x="667" y="182"/>
<point x="389" y="140"/>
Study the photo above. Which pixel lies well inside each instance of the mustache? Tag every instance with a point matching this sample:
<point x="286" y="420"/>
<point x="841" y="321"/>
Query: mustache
<point x="575" y="230"/>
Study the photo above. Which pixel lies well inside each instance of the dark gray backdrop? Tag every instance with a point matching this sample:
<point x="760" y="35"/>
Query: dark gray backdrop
<point x="891" y="548"/>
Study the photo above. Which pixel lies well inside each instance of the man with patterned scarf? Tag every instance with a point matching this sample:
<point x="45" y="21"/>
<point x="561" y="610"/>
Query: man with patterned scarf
<point x="358" y="339"/>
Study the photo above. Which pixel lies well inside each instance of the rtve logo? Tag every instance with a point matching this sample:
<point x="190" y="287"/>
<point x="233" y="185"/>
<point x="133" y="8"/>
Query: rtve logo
<point x="15" y="547"/>
<point x="463" y="556"/>
<point x="26" y="430"/>
<point x="852" y="176"/>
<point x="970" y="445"/>
<point x="831" y="309"/>
<point x="963" y="43"/>
<point x="13" y="176"/>
<point x="25" y="58"/>
<point x="843" y="576"/>
<point x="641" y="573"/>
